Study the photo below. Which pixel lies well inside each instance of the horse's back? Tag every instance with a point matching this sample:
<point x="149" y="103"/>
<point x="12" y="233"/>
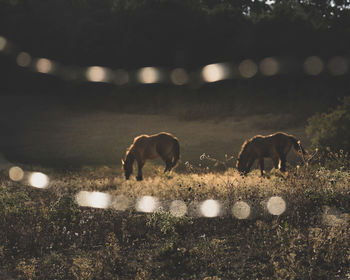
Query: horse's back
<point x="268" y="145"/>
<point x="282" y="141"/>
<point x="165" y="142"/>
<point x="153" y="146"/>
<point x="263" y="146"/>
<point x="164" y="136"/>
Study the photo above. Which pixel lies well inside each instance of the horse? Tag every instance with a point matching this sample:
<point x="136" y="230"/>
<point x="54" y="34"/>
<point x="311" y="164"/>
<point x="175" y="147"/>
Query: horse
<point x="144" y="147"/>
<point x="275" y="146"/>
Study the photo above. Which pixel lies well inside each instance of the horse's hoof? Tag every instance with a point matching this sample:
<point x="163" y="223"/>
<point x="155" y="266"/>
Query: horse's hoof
<point x="139" y="178"/>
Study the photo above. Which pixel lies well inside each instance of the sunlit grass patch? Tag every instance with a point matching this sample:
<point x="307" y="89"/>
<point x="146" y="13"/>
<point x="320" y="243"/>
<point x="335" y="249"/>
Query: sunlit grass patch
<point x="177" y="221"/>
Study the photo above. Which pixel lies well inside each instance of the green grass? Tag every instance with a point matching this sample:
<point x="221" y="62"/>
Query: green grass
<point x="46" y="235"/>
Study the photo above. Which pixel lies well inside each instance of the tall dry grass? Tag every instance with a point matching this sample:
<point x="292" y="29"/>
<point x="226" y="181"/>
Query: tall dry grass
<point x="46" y="235"/>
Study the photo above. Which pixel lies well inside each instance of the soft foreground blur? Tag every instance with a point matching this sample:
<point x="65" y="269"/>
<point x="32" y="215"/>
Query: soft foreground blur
<point x="92" y="224"/>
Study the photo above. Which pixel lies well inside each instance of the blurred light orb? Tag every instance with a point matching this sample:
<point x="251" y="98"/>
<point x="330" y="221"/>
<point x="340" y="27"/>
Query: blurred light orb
<point x="96" y="74"/>
<point x="241" y="210"/>
<point x="148" y="75"/>
<point x="100" y="200"/>
<point x="120" y="202"/>
<point x="38" y="180"/>
<point x="276" y="205"/>
<point x="215" y="72"/>
<point x="83" y="198"/>
<point x="16" y="173"/>
<point x="210" y="208"/>
<point x="269" y="66"/>
<point x="3" y="43"/>
<point x="179" y="76"/>
<point x="23" y="59"/>
<point x="338" y="66"/>
<point x="248" y="68"/>
<point x="93" y="199"/>
<point x="44" y="65"/>
<point x="178" y="208"/>
<point x="121" y="77"/>
<point x="147" y="204"/>
<point x="313" y="65"/>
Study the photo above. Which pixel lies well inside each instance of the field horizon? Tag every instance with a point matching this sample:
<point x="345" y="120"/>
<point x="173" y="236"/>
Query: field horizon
<point x="66" y="138"/>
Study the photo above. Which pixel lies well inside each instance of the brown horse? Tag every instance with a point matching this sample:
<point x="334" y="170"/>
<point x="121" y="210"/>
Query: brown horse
<point x="275" y="146"/>
<point x="163" y="145"/>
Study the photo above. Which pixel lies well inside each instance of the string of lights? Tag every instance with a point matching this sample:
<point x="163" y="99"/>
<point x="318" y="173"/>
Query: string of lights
<point x="245" y="69"/>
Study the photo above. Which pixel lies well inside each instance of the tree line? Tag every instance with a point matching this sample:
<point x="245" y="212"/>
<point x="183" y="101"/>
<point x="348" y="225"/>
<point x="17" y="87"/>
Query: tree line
<point x="175" y="33"/>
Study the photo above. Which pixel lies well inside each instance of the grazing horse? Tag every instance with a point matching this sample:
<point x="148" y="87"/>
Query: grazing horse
<point x="163" y="145"/>
<point x="275" y="146"/>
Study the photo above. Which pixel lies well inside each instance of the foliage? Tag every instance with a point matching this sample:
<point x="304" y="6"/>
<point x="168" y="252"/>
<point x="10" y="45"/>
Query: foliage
<point x="110" y="33"/>
<point x="167" y="224"/>
<point x="330" y="134"/>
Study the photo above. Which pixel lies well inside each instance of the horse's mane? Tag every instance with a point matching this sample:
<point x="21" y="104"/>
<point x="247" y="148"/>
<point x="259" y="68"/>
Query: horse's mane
<point x="128" y="152"/>
<point x="129" y="149"/>
<point x="243" y="148"/>
<point x="247" y="144"/>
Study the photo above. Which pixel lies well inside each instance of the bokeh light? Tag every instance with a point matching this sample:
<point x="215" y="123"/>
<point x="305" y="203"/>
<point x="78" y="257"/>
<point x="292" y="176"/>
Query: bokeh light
<point x="241" y="210"/>
<point x="16" y="173"/>
<point x="178" y="208"/>
<point x="23" y="59"/>
<point x="44" y="65"/>
<point x="248" y="68"/>
<point x="215" y="72"/>
<point x="148" y="75"/>
<point x="121" y="77"/>
<point x="93" y="199"/>
<point x="96" y="74"/>
<point x="313" y="65"/>
<point x="210" y="208"/>
<point x="3" y="43"/>
<point x="276" y="205"/>
<point x="269" y="66"/>
<point x="120" y="202"/>
<point x="39" y="180"/>
<point x="179" y="76"/>
<point x="83" y="198"/>
<point x="147" y="204"/>
<point x="338" y="66"/>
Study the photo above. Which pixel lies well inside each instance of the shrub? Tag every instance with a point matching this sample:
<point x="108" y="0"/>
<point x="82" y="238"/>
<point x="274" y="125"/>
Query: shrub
<point x="330" y="131"/>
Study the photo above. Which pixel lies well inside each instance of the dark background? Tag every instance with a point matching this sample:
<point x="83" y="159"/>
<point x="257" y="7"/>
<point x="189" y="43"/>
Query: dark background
<point x="122" y="34"/>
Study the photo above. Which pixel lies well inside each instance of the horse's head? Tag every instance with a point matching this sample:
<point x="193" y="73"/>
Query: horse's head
<point x="127" y="167"/>
<point x="242" y="163"/>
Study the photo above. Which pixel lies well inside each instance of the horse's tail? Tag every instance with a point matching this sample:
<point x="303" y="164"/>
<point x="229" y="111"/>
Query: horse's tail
<point x="297" y="146"/>
<point x="176" y="154"/>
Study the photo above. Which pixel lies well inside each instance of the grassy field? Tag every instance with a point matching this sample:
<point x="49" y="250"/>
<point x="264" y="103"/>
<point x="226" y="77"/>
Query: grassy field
<point x="67" y="138"/>
<point x="47" y="235"/>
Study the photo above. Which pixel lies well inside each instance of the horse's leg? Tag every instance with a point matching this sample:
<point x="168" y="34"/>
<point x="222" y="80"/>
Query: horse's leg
<point x="249" y="165"/>
<point x="275" y="161"/>
<point x="168" y="164"/>
<point x="165" y="158"/>
<point x="140" y="164"/>
<point x="283" y="162"/>
<point x="261" y="163"/>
